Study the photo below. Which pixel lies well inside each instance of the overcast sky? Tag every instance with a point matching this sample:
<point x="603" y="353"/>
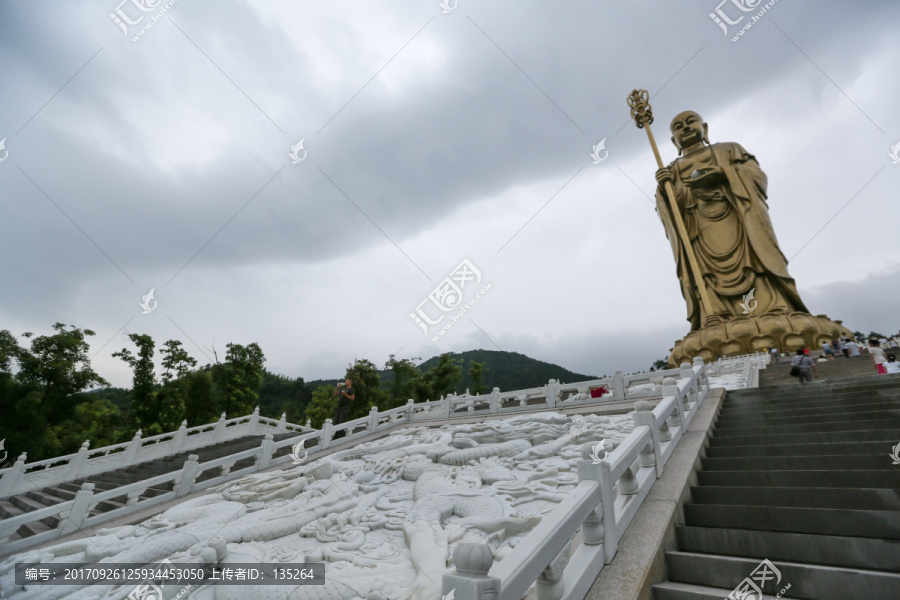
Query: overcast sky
<point x="431" y="135"/>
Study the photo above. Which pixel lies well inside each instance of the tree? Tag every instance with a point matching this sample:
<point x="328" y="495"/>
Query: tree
<point x="321" y="407"/>
<point x="199" y="403"/>
<point x="172" y="398"/>
<point x="59" y="365"/>
<point x="659" y="364"/>
<point x="476" y="372"/>
<point x="242" y="378"/>
<point x="444" y="376"/>
<point x="406" y="377"/>
<point x="144" y="410"/>
<point x="41" y="387"/>
<point x="367" y="385"/>
<point x="176" y="361"/>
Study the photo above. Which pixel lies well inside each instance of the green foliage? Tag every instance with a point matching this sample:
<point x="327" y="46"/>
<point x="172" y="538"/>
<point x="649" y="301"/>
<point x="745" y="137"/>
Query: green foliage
<point x="97" y="420"/>
<point x="41" y="387"/>
<point x="241" y="378"/>
<point x="508" y="370"/>
<point x="279" y="394"/>
<point x="444" y="377"/>
<point x="322" y="406"/>
<point x="59" y="366"/>
<point x="144" y="406"/>
<point x="176" y="361"/>
<point x="476" y="374"/>
<point x="660" y="364"/>
<point x="367" y="385"/>
<point x="199" y="405"/>
<point x="405" y="380"/>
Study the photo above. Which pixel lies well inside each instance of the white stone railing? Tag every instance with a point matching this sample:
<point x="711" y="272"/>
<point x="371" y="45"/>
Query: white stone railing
<point x="602" y="506"/>
<point x="23" y="477"/>
<point x="678" y="406"/>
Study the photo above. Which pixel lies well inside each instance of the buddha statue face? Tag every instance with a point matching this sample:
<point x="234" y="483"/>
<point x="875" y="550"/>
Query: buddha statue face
<point x="688" y="129"/>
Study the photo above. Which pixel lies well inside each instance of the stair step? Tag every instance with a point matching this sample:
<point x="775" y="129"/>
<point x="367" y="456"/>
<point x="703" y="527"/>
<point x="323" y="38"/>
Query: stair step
<point x="45" y="499"/>
<point x="822" y="385"/>
<point x="798" y="392"/>
<point x="876" y="448"/>
<point x="821" y="521"/>
<point x="827" y="426"/>
<point x="837" y="498"/>
<point x="803" y="479"/>
<point x="673" y="590"/>
<point x="60" y="492"/>
<point x="835" y="551"/>
<point x="26" y="504"/>
<point x="795" y="463"/>
<point x="887" y="435"/>
<point x="806" y="581"/>
<point x="841" y="419"/>
<point x="108" y="505"/>
<point x="8" y="510"/>
<point x="33" y="528"/>
<point x="766" y="417"/>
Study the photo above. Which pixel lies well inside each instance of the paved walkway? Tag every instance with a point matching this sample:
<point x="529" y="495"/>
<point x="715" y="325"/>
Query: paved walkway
<point x="839" y="368"/>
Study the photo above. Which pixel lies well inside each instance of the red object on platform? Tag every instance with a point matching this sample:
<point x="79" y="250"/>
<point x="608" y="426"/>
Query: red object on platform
<point x="598" y="392"/>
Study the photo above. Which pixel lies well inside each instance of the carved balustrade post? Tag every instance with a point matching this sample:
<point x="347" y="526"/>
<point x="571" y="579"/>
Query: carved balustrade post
<point x="470" y="580"/>
<point x="550" y="584"/>
<point x="132" y="450"/>
<point x="219" y="431"/>
<point x="188" y="475"/>
<point x="327" y="432"/>
<point x="254" y="422"/>
<point x="72" y="521"/>
<point x="373" y="419"/>
<point x="180" y="436"/>
<point x="265" y="456"/>
<point x="77" y="463"/>
<point x="618" y="385"/>
<point x="9" y="479"/>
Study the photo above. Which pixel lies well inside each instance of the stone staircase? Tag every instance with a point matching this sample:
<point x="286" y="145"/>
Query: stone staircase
<point x="799" y="475"/>
<point x="779" y="372"/>
<point x="37" y="499"/>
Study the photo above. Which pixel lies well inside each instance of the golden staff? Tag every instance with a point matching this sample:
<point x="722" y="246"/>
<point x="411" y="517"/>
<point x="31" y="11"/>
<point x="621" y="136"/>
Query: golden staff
<point x="639" y="101"/>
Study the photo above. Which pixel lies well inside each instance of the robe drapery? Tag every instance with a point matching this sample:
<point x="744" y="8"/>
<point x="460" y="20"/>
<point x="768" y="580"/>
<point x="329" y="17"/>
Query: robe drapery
<point x="732" y="237"/>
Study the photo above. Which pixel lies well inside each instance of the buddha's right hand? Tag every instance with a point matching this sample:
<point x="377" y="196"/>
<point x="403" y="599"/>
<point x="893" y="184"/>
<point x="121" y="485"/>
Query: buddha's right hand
<point x="663" y="175"/>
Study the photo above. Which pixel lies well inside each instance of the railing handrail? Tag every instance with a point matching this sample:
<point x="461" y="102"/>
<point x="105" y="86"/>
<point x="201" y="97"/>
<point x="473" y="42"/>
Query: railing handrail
<point x="623" y="478"/>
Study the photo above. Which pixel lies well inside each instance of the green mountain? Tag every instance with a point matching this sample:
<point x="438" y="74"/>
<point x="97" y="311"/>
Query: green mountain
<point x="508" y="370"/>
